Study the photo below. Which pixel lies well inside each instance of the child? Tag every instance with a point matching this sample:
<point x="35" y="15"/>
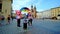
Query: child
<point x="25" y="24"/>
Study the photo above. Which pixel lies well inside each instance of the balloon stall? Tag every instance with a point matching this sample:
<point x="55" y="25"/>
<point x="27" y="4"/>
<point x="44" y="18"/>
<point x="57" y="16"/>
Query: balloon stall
<point x="22" y="11"/>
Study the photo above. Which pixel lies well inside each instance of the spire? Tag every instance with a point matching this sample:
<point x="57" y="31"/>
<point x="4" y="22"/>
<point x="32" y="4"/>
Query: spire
<point x="35" y="7"/>
<point x="31" y="8"/>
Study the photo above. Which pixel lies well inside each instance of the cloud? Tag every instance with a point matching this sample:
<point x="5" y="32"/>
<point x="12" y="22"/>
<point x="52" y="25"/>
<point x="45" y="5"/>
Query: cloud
<point x="18" y="4"/>
<point x="22" y="2"/>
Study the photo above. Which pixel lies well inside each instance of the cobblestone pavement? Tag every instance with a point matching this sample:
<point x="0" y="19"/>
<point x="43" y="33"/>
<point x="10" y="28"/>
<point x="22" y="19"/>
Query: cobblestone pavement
<point x="39" y="26"/>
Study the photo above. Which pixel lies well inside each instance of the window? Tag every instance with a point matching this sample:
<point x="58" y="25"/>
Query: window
<point x="0" y="0"/>
<point x="59" y="15"/>
<point x="0" y="7"/>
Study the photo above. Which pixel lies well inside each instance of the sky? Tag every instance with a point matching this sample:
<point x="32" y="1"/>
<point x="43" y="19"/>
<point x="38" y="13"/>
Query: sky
<point x="41" y="5"/>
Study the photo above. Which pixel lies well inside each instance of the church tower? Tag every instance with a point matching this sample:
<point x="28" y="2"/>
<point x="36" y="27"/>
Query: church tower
<point x="33" y="10"/>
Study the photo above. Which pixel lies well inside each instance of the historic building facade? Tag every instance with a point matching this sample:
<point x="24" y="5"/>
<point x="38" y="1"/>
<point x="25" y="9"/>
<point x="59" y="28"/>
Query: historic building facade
<point x="53" y="13"/>
<point x="5" y="7"/>
<point x="44" y="14"/>
<point x="33" y="10"/>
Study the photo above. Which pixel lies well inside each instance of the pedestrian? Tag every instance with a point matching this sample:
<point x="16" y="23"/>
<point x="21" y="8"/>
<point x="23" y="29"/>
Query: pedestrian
<point x="18" y="20"/>
<point x="12" y="18"/>
<point x="8" y="18"/>
<point x="25" y="22"/>
<point x="30" y="18"/>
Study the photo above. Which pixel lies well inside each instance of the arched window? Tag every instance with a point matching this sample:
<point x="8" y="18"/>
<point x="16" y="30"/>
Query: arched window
<point x="0" y="7"/>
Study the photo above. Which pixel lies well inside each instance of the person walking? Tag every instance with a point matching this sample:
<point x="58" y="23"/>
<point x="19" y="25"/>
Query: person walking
<point x="8" y="18"/>
<point x="12" y="18"/>
<point x="25" y="22"/>
<point x="30" y="18"/>
<point x="18" y="21"/>
<point x="18" y="17"/>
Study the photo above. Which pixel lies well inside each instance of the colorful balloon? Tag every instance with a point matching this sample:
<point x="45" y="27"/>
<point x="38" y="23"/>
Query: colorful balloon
<point x="24" y="10"/>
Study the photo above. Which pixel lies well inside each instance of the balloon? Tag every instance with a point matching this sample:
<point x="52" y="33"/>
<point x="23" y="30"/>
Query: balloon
<point x="24" y="10"/>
